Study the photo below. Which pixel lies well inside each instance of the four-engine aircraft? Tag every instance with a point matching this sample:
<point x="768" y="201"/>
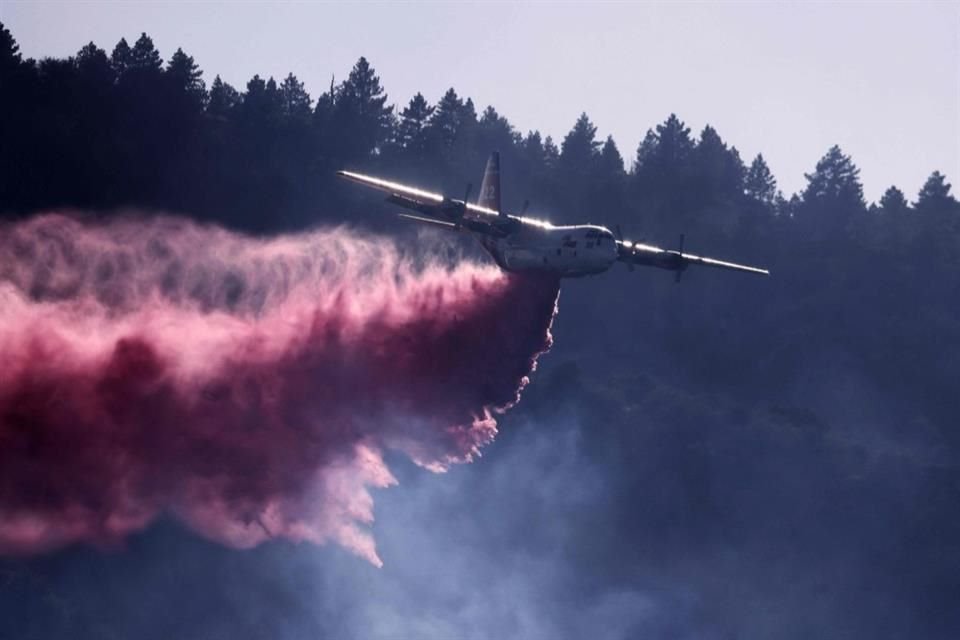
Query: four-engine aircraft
<point x="519" y="243"/>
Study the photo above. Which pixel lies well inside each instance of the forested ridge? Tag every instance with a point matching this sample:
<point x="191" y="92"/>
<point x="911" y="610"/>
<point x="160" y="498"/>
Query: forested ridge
<point x="822" y="400"/>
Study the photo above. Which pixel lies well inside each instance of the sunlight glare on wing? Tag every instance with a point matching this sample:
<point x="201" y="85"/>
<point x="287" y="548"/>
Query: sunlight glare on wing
<point x="387" y="185"/>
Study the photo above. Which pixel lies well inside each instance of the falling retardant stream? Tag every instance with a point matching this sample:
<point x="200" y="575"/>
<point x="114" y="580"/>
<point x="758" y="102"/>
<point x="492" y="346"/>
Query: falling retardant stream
<point x="247" y="386"/>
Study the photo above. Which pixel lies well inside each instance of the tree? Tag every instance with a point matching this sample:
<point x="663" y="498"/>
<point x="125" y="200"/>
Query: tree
<point x="260" y="107"/>
<point x="447" y="120"/>
<point x="551" y="155"/>
<point x="10" y="58"/>
<point x="935" y="194"/>
<point x="413" y="123"/>
<point x="361" y="112"/>
<point x="718" y="170"/>
<point x="121" y="58"/>
<point x="663" y="183"/>
<point x="223" y="98"/>
<point x="759" y="183"/>
<point x="144" y="57"/>
<point x="611" y="162"/>
<point x="833" y="196"/>
<point x="663" y="158"/>
<point x="835" y="179"/>
<point x="294" y="99"/>
<point x="580" y="148"/>
<point x="495" y="131"/>
<point x="674" y="144"/>
<point x="646" y="152"/>
<point x="94" y="66"/>
<point x="186" y="77"/>
<point x="893" y="203"/>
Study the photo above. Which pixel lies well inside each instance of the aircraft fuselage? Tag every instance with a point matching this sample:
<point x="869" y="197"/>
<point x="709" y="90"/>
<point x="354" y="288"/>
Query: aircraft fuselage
<point x="566" y="251"/>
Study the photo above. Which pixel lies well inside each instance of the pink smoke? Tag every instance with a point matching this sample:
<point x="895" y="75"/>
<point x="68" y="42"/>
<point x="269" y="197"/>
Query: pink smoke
<point x="247" y="386"/>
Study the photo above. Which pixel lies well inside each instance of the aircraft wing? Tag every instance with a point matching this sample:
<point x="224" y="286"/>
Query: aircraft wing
<point x="433" y="207"/>
<point x="634" y="253"/>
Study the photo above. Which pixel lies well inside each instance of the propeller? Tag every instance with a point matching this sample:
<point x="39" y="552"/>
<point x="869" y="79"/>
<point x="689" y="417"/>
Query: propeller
<point x="619" y="231"/>
<point x="681" y="266"/>
<point x="458" y="208"/>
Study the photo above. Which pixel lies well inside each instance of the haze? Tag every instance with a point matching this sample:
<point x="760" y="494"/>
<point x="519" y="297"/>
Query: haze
<point x="880" y="80"/>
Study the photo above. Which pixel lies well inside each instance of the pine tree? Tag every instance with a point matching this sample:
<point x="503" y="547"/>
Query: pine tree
<point x="186" y="77"/>
<point x="294" y="99"/>
<point x="361" y="110"/>
<point x="223" y="98"/>
<point x="759" y="184"/>
<point x="833" y="196"/>
<point x="445" y="122"/>
<point x="121" y="58"/>
<point x="144" y="57"/>
<point x="495" y="131"/>
<point x="718" y="170"/>
<point x="551" y="154"/>
<point x="646" y="152"/>
<point x="413" y="122"/>
<point x="93" y="65"/>
<point x="935" y="194"/>
<point x="10" y="59"/>
<point x="580" y="149"/>
<point x="260" y="107"/>
<point x="835" y="179"/>
<point x="611" y="162"/>
<point x="674" y="145"/>
<point x="893" y="202"/>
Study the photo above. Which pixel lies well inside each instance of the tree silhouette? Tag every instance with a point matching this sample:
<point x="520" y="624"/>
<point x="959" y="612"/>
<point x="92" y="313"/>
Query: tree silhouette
<point x="759" y="183"/>
<point x="413" y="123"/>
<point x="186" y="78"/>
<point x="833" y="196"/>
<point x="223" y="98"/>
<point x="144" y="57"/>
<point x="295" y="102"/>
<point x="893" y="202"/>
<point x="361" y="111"/>
<point x="445" y="123"/>
<point x="611" y="162"/>
<point x="580" y="148"/>
<point x="121" y="58"/>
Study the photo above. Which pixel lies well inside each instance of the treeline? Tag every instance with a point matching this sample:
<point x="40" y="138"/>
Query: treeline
<point x="102" y="131"/>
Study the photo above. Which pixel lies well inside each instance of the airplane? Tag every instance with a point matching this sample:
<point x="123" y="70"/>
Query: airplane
<point x="521" y="244"/>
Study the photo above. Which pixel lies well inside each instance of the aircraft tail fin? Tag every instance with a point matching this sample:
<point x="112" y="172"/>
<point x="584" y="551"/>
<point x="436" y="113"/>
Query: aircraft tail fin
<point x="490" y="187"/>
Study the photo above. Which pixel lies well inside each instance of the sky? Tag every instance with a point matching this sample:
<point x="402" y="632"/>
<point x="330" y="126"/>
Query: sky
<point x="882" y="80"/>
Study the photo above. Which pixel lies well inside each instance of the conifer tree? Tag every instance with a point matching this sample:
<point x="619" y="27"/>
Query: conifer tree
<point x="294" y="99"/>
<point x="121" y="58"/>
<point x="186" y="77"/>
<point x="759" y="184"/>
<point x="611" y="162"/>
<point x="144" y="57"/>
<point x="580" y="147"/>
<point x="223" y="98"/>
<point x="412" y="124"/>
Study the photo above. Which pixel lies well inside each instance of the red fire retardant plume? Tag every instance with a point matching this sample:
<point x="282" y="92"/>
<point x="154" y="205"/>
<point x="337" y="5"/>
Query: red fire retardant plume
<point x="248" y="387"/>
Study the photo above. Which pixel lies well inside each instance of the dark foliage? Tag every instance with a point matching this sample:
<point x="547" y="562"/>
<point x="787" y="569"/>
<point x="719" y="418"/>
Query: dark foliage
<point x="787" y="425"/>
